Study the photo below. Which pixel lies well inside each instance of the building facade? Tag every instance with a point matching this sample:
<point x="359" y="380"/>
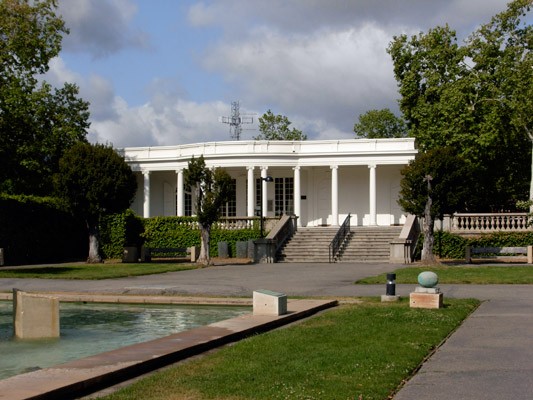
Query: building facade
<point x="320" y="181"/>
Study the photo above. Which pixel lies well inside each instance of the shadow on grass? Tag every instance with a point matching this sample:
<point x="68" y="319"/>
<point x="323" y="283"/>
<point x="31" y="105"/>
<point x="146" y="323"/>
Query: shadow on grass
<point x="43" y="270"/>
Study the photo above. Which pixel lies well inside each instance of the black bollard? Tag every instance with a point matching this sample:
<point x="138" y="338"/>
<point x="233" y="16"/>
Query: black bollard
<point x="391" y="284"/>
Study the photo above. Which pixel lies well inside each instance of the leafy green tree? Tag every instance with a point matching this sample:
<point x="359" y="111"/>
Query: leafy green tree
<point x="277" y="127"/>
<point x="377" y="124"/>
<point x="95" y="181"/>
<point x="475" y="97"/>
<point x="37" y="122"/>
<point x="212" y="189"/>
<point x="436" y="183"/>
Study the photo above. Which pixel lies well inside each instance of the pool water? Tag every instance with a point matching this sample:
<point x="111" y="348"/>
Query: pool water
<point x="92" y="328"/>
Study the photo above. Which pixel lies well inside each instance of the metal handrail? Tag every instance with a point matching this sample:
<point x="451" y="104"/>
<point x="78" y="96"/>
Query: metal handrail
<point x="339" y="238"/>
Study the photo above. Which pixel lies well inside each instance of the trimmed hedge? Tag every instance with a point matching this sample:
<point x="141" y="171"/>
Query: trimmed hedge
<point x="39" y="230"/>
<point x="451" y="246"/>
<point x="127" y="229"/>
<point x="118" y="231"/>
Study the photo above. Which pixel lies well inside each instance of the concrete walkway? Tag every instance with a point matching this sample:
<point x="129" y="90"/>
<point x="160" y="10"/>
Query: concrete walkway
<point x="489" y="357"/>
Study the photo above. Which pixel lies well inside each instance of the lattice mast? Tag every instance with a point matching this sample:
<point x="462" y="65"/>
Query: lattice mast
<point x="236" y="120"/>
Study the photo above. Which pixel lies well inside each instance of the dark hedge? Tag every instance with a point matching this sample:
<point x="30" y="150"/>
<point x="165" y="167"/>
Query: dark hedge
<point x="37" y="230"/>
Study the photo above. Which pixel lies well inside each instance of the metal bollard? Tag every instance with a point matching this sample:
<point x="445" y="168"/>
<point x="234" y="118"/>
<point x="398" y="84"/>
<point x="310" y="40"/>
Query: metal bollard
<point x="391" y="284"/>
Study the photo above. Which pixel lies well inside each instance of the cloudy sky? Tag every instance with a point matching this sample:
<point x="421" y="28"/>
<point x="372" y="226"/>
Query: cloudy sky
<point x="162" y="72"/>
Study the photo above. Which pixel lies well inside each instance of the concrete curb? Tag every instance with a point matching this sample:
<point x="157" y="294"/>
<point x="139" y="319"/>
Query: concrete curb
<point x="87" y="375"/>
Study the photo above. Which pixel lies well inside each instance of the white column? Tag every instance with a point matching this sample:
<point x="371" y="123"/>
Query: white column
<point x="372" y="194"/>
<point x="297" y="195"/>
<point x="146" y="193"/>
<point x="180" y="195"/>
<point x="250" y="185"/>
<point x="334" y="195"/>
<point x="264" y="189"/>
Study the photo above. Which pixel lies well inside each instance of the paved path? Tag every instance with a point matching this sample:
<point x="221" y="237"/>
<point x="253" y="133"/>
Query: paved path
<point x="489" y="357"/>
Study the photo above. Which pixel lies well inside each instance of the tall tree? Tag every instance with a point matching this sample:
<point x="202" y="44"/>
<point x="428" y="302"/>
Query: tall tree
<point x="501" y="51"/>
<point x="277" y="127"/>
<point x="474" y="97"/>
<point x="37" y="122"/>
<point x="212" y="189"/>
<point x="378" y="124"/>
<point x="437" y="182"/>
<point x="95" y="181"/>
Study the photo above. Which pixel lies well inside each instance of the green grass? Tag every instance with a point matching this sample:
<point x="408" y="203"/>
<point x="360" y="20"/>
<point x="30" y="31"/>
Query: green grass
<point x="478" y="275"/>
<point x="93" y="271"/>
<point x="362" y="351"/>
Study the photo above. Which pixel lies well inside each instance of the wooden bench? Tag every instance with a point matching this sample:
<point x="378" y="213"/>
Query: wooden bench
<point x="184" y="253"/>
<point x="499" y="252"/>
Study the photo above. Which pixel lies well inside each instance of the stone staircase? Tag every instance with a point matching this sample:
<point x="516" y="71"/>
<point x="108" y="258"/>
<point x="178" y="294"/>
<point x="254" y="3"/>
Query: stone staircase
<point x="370" y="244"/>
<point x="365" y="244"/>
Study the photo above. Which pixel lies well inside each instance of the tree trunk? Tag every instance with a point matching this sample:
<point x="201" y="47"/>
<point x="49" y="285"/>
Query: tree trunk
<point x="205" y="233"/>
<point x="428" y="227"/>
<point x="94" y="243"/>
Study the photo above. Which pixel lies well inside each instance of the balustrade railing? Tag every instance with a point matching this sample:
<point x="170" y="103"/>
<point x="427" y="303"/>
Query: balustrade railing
<point x="234" y="223"/>
<point x="479" y="223"/>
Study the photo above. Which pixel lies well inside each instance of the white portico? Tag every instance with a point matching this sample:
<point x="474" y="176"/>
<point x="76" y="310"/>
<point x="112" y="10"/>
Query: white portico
<point x="320" y="181"/>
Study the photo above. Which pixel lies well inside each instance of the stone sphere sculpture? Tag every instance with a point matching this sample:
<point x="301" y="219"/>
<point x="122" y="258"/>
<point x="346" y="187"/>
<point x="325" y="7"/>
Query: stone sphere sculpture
<point x="428" y="279"/>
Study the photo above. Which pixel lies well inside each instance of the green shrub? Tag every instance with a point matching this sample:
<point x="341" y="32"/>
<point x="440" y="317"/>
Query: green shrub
<point x="452" y="246"/>
<point x="184" y="232"/>
<point x="449" y="245"/>
<point x="171" y="232"/>
<point x="503" y="239"/>
<point x="37" y="230"/>
<point x="232" y="237"/>
<point x="118" y="231"/>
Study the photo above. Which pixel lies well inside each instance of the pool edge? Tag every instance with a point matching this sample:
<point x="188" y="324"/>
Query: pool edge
<point x="80" y="377"/>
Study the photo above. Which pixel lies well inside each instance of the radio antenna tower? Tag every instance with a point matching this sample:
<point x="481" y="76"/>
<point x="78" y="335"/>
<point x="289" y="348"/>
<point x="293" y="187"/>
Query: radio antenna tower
<point x="235" y="121"/>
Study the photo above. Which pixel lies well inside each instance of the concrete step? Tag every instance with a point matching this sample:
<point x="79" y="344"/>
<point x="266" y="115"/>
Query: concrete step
<point x="365" y="245"/>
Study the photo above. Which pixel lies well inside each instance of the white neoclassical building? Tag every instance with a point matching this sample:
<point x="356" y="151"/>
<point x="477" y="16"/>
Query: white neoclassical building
<point x="320" y="181"/>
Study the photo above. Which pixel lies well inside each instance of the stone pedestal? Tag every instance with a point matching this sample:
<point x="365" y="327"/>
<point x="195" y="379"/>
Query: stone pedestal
<point x="241" y="249"/>
<point x="194" y="252"/>
<point x="130" y="255"/>
<point x="223" y="249"/>
<point x="35" y="316"/>
<point x="251" y="249"/>
<point x="426" y="298"/>
<point x="266" y="302"/>
<point x="265" y="250"/>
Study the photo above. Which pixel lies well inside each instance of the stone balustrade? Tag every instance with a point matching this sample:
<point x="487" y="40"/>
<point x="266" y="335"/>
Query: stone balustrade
<point x="486" y="223"/>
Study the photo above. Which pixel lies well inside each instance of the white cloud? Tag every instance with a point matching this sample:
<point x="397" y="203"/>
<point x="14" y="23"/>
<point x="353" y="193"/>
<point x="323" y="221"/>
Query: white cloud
<point x="333" y="75"/>
<point x="306" y="16"/>
<point x="95" y="89"/>
<point x="319" y="63"/>
<point x="178" y="123"/>
<point x="165" y="119"/>
<point x="100" y="27"/>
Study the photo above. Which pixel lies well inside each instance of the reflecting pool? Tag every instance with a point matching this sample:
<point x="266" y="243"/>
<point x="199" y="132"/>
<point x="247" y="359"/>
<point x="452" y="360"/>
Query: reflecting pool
<point x="91" y="328"/>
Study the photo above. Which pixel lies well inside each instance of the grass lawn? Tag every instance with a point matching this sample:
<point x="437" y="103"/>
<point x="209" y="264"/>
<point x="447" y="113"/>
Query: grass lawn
<point x="358" y="351"/>
<point x="93" y="271"/>
<point x="478" y="275"/>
